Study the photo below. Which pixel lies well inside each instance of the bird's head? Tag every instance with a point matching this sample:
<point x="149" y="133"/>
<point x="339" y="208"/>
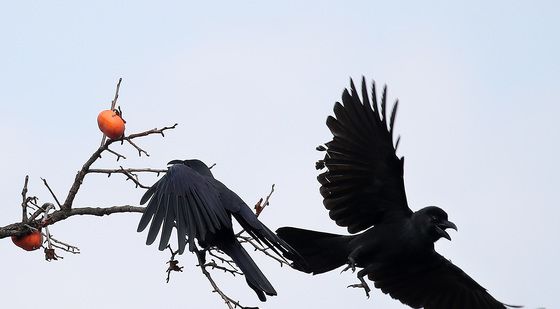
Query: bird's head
<point x="196" y="165"/>
<point x="433" y="221"/>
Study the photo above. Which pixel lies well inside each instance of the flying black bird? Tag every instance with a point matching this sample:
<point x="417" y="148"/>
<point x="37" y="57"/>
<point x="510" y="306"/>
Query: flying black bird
<point x="200" y="207"/>
<point x="363" y="189"/>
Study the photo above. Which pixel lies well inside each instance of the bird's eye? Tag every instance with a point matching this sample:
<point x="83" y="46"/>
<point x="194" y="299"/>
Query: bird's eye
<point x="434" y="219"/>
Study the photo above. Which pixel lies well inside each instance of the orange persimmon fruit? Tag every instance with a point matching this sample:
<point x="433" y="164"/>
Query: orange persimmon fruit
<point x="29" y="242"/>
<point x="111" y="123"/>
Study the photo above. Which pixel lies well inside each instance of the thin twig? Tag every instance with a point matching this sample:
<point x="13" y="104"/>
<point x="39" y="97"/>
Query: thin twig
<point x="24" y="201"/>
<point x="140" y="150"/>
<point x="126" y="170"/>
<point x="223" y="260"/>
<point x="152" y="131"/>
<point x="134" y="178"/>
<point x="259" y="207"/>
<point x="49" y="251"/>
<point x="113" y="103"/>
<point x="173" y="263"/>
<point x="228" y="300"/>
<point x="130" y="173"/>
<point x="39" y="211"/>
<point x="232" y="271"/>
<point x="116" y="154"/>
<point x="64" y="246"/>
<point x="264" y="250"/>
<point x="51" y="191"/>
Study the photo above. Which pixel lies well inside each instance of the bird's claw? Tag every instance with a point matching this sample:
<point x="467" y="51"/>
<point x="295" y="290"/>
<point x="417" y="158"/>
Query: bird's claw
<point x="362" y="285"/>
<point x="351" y="264"/>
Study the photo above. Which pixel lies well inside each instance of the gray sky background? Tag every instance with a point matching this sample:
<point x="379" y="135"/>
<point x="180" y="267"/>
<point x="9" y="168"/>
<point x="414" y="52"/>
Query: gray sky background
<point x="251" y="85"/>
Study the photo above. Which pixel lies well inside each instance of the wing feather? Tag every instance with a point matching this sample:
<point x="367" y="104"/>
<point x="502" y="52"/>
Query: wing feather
<point x="186" y="200"/>
<point x="363" y="184"/>
<point x="195" y="206"/>
<point x="157" y="219"/>
<point x="181" y="225"/>
<point x="250" y="223"/>
<point x="169" y="221"/>
<point x="433" y="283"/>
<point x="149" y="212"/>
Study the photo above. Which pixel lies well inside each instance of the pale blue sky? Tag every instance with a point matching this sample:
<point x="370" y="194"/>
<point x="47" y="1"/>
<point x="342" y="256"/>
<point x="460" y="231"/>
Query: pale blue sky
<point x="251" y="84"/>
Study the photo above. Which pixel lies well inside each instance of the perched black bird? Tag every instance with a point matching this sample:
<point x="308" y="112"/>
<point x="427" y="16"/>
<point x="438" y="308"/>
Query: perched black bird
<point x="200" y="207"/>
<point x="363" y="189"/>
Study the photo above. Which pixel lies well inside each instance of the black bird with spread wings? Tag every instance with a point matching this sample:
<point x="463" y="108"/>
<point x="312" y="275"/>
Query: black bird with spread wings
<point x="363" y="189"/>
<point x="200" y="207"/>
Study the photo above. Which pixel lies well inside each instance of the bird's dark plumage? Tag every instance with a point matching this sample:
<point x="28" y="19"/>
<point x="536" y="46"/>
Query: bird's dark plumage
<point x="363" y="190"/>
<point x="200" y="207"/>
<point x="364" y="181"/>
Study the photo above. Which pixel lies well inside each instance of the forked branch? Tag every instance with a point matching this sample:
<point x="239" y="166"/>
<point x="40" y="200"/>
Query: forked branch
<point x="66" y="210"/>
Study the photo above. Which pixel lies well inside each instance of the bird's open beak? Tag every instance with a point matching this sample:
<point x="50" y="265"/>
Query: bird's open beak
<point x="175" y="162"/>
<point x="440" y="228"/>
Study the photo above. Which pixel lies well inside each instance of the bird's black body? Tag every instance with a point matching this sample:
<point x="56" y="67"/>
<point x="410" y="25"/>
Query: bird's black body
<point x="363" y="189"/>
<point x="200" y="207"/>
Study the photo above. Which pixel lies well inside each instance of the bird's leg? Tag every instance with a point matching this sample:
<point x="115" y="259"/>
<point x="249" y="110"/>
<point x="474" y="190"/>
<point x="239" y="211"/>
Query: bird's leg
<point x="351" y="264"/>
<point x="351" y="261"/>
<point x="362" y="284"/>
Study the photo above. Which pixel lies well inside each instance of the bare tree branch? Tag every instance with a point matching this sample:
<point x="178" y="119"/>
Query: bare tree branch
<point x="134" y="178"/>
<point x="118" y="155"/>
<point x="24" y="200"/>
<point x="201" y="255"/>
<point x="152" y="131"/>
<point x="126" y="170"/>
<point x="259" y="207"/>
<point x="97" y="154"/>
<point x="232" y="267"/>
<point x="39" y="211"/>
<point x="265" y="250"/>
<point x="213" y="265"/>
<point x="50" y="254"/>
<point x="140" y="150"/>
<point x="66" y="209"/>
<point x="130" y="173"/>
<point x="31" y="222"/>
<point x="21" y="228"/>
<point x="113" y="103"/>
<point x="92" y="211"/>
<point x="64" y="246"/>
<point x="173" y="263"/>
<point x="51" y="191"/>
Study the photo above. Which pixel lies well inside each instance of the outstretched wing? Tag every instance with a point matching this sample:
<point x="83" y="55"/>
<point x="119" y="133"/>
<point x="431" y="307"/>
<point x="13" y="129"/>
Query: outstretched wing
<point x="250" y="222"/>
<point x="433" y="283"/>
<point x="363" y="184"/>
<point x="184" y="199"/>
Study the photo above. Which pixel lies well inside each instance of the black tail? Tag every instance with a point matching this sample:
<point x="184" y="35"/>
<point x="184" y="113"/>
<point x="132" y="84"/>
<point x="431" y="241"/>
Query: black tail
<point x="255" y="278"/>
<point x="321" y="252"/>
